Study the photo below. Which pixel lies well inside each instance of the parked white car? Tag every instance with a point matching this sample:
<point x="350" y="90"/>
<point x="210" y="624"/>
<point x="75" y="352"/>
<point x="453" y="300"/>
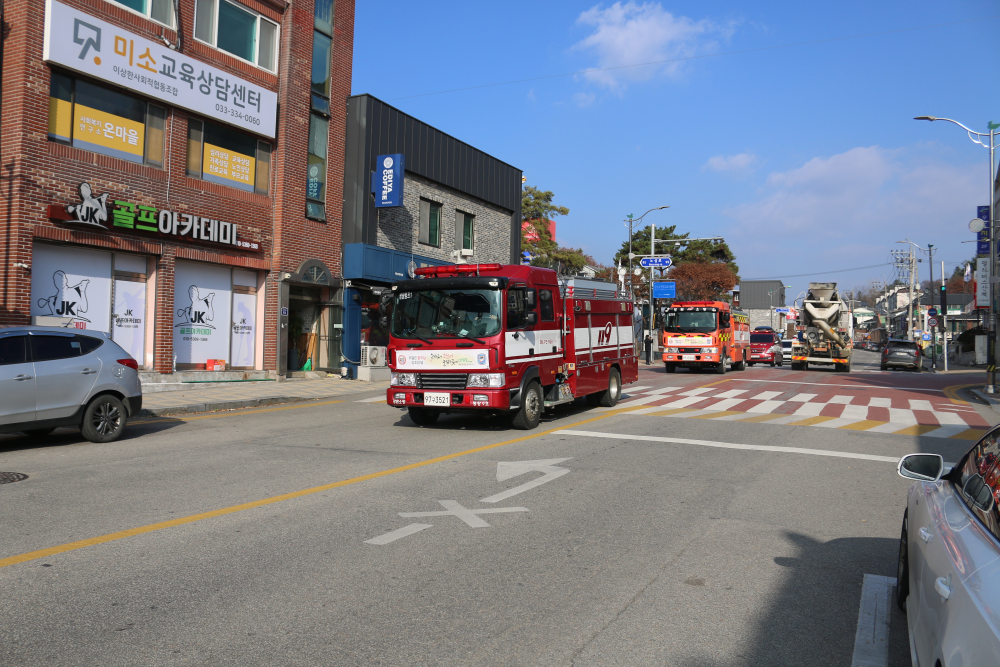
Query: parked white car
<point x="948" y="575"/>
<point x="52" y="377"/>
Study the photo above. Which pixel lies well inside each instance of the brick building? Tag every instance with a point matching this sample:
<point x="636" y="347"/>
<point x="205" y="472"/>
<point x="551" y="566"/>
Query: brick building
<point x="458" y="204"/>
<point x="164" y="168"/>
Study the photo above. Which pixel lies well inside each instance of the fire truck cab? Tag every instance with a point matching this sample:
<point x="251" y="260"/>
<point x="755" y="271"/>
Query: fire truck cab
<point x="705" y="334"/>
<point x="505" y="339"/>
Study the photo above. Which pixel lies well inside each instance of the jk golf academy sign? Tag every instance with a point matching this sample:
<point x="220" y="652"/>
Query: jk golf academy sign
<point x="109" y="214"/>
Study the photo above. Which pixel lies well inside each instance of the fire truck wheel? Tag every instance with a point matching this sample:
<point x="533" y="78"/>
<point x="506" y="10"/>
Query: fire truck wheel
<point x="423" y="416"/>
<point x="609" y="398"/>
<point x="742" y="365"/>
<point x="720" y="369"/>
<point x="530" y="412"/>
<point x="670" y="368"/>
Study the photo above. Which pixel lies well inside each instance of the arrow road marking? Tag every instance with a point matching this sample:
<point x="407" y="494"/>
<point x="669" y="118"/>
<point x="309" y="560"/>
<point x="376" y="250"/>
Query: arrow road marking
<point x="453" y="508"/>
<point x="506" y="470"/>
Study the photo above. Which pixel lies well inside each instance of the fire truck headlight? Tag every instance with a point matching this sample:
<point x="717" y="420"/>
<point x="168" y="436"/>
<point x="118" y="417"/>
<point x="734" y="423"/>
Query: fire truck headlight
<point x="709" y="350"/>
<point x="485" y="380"/>
<point x="673" y="350"/>
<point x="403" y="380"/>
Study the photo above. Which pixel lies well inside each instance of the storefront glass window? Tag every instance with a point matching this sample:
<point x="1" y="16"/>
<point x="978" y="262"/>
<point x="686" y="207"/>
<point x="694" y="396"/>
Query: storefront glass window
<point x="222" y="154"/>
<point x="105" y="121"/>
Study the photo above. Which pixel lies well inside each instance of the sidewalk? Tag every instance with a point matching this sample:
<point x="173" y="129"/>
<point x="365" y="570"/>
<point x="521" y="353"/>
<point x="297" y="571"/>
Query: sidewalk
<point x="251" y="395"/>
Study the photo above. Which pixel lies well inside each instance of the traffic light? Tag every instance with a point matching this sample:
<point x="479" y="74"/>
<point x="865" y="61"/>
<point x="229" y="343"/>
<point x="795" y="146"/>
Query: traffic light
<point x="944" y="300"/>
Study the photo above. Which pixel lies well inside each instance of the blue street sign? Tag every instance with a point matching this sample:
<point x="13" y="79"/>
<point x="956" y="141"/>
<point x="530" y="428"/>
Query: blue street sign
<point x="663" y="262"/>
<point x="781" y="310"/>
<point x="983" y="213"/>
<point x="931" y="312"/>
<point x="982" y="247"/>
<point x="387" y="180"/>
<point x="926" y="336"/>
<point x="984" y="234"/>
<point x="665" y="290"/>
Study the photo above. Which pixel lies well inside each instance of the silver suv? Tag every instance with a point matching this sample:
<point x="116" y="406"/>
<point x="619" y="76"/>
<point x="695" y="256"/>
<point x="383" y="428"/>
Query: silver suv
<point x="52" y="377"/>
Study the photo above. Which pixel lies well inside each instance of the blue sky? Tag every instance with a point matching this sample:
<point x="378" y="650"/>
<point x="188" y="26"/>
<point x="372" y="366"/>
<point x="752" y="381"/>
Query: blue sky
<point x="805" y="158"/>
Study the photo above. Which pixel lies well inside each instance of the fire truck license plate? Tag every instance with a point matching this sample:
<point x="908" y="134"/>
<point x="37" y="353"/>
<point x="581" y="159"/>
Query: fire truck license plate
<point x="687" y="357"/>
<point x="437" y="399"/>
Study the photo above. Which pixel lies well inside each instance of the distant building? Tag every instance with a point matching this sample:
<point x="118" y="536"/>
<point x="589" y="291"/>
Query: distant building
<point x="758" y="298"/>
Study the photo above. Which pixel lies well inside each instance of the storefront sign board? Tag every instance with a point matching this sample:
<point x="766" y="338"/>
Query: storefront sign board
<point x="122" y="137"/>
<point x="202" y="297"/>
<point x="88" y="45"/>
<point x="74" y="283"/>
<point x="387" y="180"/>
<point x="459" y="360"/>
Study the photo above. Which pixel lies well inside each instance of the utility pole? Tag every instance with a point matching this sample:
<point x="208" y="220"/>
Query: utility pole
<point x="934" y="329"/>
<point x="942" y="314"/>
<point x="909" y="306"/>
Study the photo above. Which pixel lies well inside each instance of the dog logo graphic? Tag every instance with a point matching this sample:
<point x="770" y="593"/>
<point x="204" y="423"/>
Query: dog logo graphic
<point x="69" y="300"/>
<point x="91" y="210"/>
<point x="200" y="312"/>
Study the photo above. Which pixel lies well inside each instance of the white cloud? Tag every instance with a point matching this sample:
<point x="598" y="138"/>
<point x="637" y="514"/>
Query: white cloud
<point x="630" y="33"/>
<point x="584" y="99"/>
<point x="849" y="209"/>
<point x="741" y="162"/>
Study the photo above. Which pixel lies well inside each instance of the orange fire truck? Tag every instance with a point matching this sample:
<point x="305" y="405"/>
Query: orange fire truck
<point x="705" y="334"/>
<point x="506" y="339"/>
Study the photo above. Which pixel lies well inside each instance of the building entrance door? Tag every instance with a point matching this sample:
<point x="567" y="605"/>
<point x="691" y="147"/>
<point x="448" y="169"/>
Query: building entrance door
<point x="304" y="314"/>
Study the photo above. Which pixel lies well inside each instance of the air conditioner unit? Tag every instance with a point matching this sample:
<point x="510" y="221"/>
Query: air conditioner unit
<point x="372" y="355"/>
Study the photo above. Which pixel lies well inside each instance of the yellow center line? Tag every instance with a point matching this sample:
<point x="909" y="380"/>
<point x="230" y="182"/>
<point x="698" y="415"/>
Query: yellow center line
<point x="952" y="392"/>
<point x="110" y="537"/>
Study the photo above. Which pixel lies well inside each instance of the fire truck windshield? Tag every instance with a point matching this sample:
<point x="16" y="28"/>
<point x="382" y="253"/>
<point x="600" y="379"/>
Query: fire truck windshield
<point x="446" y="313"/>
<point x="687" y="321"/>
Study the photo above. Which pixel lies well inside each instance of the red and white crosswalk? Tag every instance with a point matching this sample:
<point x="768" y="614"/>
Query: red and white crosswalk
<point x="924" y="412"/>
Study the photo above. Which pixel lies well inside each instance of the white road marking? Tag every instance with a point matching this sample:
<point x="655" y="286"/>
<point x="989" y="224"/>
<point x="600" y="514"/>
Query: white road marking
<point x="766" y="406"/>
<point x="372" y="400"/>
<point x="765" y="396"/>
<point x="696" y="391"/>
<point x="732" y="393"/>
<point x="663" y="390"/>
<point x="802" y="398"/>
<point x="880" y="403"/>
<point x="841" y="400"/>
<point x="849" y="386"/>
<point x="627" y="404"/>
<point x="730" y="445"/>
<point x="810" y="409"/>
<point x="453" y="508"/>
<point x="629" y="387"/>
<point x="855" y="412"/>
<point x="725" y="404"/>
<point x="921" y="405"/>
<point x="506" y="470"/>
<point x="398" y="534"/>
<point x="871" y="643"/>
<point x="684" y="402"/>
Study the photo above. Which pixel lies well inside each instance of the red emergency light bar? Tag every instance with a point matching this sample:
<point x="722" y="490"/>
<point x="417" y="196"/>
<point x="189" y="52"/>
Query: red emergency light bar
<point x="456" y="269"/>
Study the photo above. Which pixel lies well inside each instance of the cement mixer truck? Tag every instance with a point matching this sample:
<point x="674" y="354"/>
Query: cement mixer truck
<point x="823" y="331"/>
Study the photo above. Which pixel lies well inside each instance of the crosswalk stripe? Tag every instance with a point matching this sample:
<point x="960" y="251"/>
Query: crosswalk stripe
<point x="732" y="393"/>
<point x="766" y="406"/>
<point x="880" y="402"/>
<point x="921" y="405"/>
<point x="766" y="395"/>
<point x="840" y="399"/>
<point x="810" y="409"/>
<point x="802" y="398"/>
<point x="628" y="388"/>
<point x="836" y="422"/>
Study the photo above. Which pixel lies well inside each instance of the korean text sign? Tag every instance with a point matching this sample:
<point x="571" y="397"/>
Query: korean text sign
<point x="94" y="47"/>
<point x="387" y="180"/>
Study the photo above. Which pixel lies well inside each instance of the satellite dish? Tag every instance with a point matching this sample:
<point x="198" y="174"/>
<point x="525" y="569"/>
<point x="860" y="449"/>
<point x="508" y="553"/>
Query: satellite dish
<point x="411" y="269"/>
<point x="976" y="225"/>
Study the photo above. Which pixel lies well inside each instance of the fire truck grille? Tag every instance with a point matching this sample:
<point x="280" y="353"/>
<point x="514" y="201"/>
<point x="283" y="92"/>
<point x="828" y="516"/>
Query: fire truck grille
<point x="441" y="380"/>
<point x="690" y="350"/>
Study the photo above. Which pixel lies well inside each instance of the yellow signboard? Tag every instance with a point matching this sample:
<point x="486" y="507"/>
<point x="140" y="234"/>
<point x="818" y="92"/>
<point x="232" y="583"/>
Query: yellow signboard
<point x="228" y="167"/>
<point x="107" y="133"/>
<point x="60" y="119"/>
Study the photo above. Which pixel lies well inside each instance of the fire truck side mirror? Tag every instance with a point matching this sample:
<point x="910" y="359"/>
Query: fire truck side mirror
<point x="384" y="322"/>
<point x="530" y="318"/>
<point x="724" y="320"/>
<point x="529" y="297"/>
<point x="383" y="303"/>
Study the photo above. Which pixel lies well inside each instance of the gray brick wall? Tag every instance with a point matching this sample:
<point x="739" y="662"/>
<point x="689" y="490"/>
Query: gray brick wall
<point x="760" y="317"/>
<point x="399" y="228"/>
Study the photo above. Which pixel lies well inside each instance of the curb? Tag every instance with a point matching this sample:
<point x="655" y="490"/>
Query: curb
<point x="990" y="399"/>
<point x="227" y="405"/>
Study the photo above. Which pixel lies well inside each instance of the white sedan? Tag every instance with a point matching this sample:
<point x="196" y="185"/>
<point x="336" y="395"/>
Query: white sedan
<point x="948" y="576"/>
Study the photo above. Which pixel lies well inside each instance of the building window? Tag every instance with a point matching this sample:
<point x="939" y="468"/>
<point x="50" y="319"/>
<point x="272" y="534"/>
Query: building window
<point x="161" y="11"/>
<point x="224" y="155"/>
<point x="103" y="120"/>
<point x="319" y="133"/>
<point x="321" y="64"/>
<point x="237" y="30"/>
<point x="430" y="223"/>
<point x="465" y="236"/>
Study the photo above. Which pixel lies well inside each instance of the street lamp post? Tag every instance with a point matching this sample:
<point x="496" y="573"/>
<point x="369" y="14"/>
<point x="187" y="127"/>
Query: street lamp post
<point x="978" y="138"/>
<point x="628" y="221"/>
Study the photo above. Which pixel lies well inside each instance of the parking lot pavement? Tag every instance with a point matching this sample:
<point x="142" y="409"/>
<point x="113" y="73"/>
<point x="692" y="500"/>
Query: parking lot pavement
<point x="339" y="533"/>
<point x="247" y="395"/>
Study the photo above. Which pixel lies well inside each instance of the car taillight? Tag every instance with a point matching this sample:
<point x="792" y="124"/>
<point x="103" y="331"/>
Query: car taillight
<point x="131" y="363"/>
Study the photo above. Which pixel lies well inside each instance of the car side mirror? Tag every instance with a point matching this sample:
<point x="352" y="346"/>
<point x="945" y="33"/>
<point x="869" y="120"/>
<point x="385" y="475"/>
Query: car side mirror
<point x="529" y="298"/>
<point x="921" y="467"/>
<point x="979" y="493"/>
<point x="530" y="318"/>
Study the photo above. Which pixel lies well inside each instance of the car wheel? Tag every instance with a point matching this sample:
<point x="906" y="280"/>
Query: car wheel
<point x="104" y="419"/>
<point x="423" y="416"/>
<point x="610" y="397"/>
<point x="903" y="566"/>
<point x="39" y="432"/>
<point x="883" y="367"/>
<point x="720" y="369"/>
<point x="772" y="364"/>
<point x="670" y="368"/>
<point x="530" y="412"/>
<point x="781" y="361"/>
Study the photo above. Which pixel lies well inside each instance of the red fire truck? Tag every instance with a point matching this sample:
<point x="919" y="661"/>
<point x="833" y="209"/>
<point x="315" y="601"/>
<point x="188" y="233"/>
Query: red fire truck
<point x="705" y="334"/>
<point x="511" y="340"/>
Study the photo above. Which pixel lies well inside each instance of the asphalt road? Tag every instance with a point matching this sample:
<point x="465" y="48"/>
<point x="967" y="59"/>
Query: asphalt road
<point x="154" y="550"/>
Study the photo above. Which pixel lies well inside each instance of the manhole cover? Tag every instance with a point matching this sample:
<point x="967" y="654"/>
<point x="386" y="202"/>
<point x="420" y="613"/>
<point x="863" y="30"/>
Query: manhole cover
<point x="10" y="477"/>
